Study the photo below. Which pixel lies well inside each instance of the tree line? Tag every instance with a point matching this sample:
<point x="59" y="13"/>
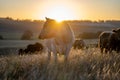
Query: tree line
<point x="89" y="35"/>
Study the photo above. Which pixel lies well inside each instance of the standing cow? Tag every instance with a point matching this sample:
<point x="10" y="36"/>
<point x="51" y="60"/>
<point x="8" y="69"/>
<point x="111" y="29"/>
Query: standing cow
<point x="60" y="37"/>
<point x="114" y="41"/>
<point x="104" y="40"/>
<point x="109" y="41"/>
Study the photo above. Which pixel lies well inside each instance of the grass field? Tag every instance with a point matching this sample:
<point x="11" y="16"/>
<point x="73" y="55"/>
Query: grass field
<point x="87" y="64"/>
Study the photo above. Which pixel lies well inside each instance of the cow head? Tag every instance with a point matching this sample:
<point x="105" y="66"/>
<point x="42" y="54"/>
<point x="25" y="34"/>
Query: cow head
<point x="48" y="30"/>
<point x="117" y="32"/>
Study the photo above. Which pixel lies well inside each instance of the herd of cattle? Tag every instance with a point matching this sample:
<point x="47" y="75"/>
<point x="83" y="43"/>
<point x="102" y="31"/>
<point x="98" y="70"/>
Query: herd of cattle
<point x="108" y="41"/>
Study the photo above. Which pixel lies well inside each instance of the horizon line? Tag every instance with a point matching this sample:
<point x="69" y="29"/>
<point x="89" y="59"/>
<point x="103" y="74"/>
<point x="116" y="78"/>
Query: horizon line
<point x="62" y="20"/>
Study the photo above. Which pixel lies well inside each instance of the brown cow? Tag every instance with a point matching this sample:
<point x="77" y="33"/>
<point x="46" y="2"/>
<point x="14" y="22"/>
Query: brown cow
<point x="109" y="41"/>
<point x="114" y="41"/>
<point x="103" y="40"/>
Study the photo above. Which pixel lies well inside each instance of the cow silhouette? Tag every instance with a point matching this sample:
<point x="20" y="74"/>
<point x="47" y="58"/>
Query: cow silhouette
<point x="59" y="37"/>
<point x="31" y="48"/>
<point x="109" y="41"/>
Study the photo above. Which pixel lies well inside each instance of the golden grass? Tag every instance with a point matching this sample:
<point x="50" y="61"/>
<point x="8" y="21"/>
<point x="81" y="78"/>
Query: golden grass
<point x="88" y="64"/>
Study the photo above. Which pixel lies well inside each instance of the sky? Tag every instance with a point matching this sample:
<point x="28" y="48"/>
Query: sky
<point x="61" y="9"/>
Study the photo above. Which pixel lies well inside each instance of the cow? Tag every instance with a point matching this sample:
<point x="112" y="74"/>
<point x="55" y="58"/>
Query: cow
<point x="59" y="36"/>
<point x="109" y="41"/>
<point x="104" y="40"/>
<point x="79" y="44"/>
<point x="114" y="41"/>
<point x="31" y="48"/>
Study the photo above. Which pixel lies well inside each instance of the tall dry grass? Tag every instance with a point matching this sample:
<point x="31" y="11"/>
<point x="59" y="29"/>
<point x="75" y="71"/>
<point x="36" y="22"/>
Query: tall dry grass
<point x="88" y="64"/>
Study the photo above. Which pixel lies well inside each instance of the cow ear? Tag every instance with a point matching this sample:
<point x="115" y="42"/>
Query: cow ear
<point x="114" y="30"/>
<point x="46" y="18"/>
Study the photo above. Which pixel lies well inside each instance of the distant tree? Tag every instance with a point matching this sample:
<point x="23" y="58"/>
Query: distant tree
<point x="9" y="18"/>
<point x="1" y="37"/>
<point x="27" y="35"/>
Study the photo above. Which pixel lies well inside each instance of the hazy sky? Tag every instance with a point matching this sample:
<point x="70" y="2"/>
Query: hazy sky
<point x="62" y="9"/>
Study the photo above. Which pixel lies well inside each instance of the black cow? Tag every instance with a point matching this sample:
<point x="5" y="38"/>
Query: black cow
<point x="31" y="48"/>
<point x="114" y="41"/>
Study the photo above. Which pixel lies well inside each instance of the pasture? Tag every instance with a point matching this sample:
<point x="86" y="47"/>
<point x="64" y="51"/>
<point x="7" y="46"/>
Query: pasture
<point x="60" y="40"/>
<point x="86" y="64"/>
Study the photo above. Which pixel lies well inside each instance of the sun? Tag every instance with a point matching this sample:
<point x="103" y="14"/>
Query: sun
<point x="59" y="13"/>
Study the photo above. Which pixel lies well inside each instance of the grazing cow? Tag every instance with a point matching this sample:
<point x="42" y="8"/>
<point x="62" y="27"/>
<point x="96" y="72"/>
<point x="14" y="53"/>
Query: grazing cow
<point x="31" y="48"/>
<point x="59" y="36"/>
<point x="104" y="40"/>
<point x="79" y="44"/>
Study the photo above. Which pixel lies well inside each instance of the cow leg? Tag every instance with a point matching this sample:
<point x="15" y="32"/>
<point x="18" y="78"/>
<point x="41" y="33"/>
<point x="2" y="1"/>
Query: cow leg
<point x="106" y="50"/>
<point x="117" y="50"/>
<point x="110" y="50"/>
<point x="55" y="56"/>
<point x="54" y="53"/>
<point x="67" y="52"/>
<point x="101" y="49"/>
<point x="49" y="56"/>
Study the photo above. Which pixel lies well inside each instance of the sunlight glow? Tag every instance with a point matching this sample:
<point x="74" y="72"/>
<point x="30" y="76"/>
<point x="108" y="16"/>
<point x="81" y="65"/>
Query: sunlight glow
<point x="61" y="9"/>
<point x="60" y="13"/>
